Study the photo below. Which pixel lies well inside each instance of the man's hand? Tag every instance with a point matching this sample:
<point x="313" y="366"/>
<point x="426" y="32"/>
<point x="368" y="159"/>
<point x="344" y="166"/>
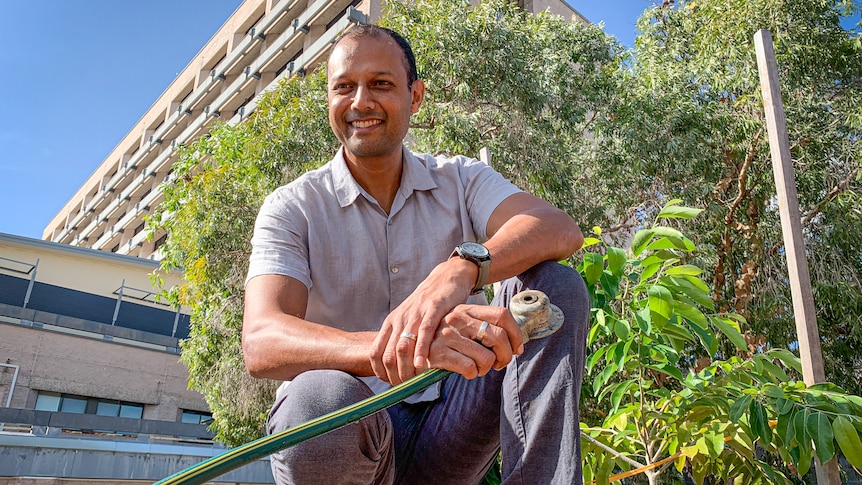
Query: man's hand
<point x="456" y="345"/>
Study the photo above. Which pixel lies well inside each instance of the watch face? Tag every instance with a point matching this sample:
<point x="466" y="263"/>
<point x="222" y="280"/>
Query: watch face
<point x="475" y="249"/>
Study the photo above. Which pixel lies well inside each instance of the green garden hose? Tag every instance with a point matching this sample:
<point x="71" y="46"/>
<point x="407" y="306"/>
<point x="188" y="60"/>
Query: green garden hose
<point x="535" y="315"/>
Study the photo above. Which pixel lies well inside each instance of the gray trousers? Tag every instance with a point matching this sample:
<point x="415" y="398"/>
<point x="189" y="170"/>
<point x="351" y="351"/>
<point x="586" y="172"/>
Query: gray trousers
<point x="529" y="410"/>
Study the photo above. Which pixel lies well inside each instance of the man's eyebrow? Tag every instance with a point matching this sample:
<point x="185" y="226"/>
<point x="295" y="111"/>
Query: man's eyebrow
<point x="342" y="74"/>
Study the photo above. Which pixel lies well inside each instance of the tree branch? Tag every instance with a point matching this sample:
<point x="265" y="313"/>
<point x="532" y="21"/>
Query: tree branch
<point x="612" y="451"/>
<point x="840" y="187"/>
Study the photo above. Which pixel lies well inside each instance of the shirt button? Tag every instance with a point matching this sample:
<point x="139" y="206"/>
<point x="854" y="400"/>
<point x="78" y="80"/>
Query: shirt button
<point x="395" y="269"/>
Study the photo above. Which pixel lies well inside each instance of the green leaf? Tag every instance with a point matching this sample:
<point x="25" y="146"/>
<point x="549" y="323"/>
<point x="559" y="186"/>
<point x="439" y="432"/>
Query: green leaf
<point x="667" y="369"/>
<point x="848" y="440"/>
<point x="684" y="270"/>
<point x="644" y="321"/>
<point x="759" y="423"/>
<point x="641" y="240"/>
<point x="773" y="369"/>
<point x="679" y="212"/>
<point x="785" y="429"/>
<point x="594" y="266"/>
<point x="805" y="460"/>
<point x="728" y="328"/>
<point x="667" y="232"/>
<point x="590" y="241"/>
<point x="784" y="405"/>
<point x="619" y="392"/>
<point x="787" y="358"/>
<point x="616" y="261"/>
<point x="660" y="303"/>
<point x="648" y="271"/>
<point x="669" y="243"/>
<point x="801" y="434"/>
<point x="689" y="289"/>
<point x="594" y="358"/>
<point x="622" y="330"/>
<point x="739" y="407"/>
<point x="818" y="427"/>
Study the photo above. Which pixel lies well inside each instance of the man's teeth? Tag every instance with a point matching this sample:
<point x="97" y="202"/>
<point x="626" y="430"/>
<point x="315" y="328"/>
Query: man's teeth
<point x="365" y="123"/>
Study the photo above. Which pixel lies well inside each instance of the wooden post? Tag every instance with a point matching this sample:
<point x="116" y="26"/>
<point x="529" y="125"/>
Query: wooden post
<point x="791" y="228"/>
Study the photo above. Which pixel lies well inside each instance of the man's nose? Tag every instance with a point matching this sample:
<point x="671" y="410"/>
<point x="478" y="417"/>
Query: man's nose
<point x="362" y="98"/>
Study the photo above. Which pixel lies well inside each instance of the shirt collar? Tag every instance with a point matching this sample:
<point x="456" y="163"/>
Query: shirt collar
<point x="416" y="175"/>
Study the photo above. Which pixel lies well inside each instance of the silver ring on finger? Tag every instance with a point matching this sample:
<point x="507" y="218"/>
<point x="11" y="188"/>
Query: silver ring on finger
<point x="408" y="335"/>
<point x="481" y="334"/>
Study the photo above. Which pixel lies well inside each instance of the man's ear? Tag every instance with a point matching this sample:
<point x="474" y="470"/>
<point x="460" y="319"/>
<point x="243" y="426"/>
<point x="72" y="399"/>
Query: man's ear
<point x="418" y="94"/>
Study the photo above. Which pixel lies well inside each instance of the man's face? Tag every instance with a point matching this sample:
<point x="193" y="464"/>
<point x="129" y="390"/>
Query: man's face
<point x="370" y="101"/>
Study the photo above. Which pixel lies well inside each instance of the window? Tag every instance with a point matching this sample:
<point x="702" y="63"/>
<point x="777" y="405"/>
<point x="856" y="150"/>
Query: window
<point x="130" y="410"/>
<point x="54" y="401"/>
<point x="67" y="403"/>
<point x="48" y="401"/>
<point x="107" y="408"/>
<point x="196" y="417"/>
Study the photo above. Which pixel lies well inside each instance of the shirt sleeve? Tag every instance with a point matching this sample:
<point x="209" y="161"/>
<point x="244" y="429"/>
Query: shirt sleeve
<point x="484" y="190"/>
<point x="280" y="240"/>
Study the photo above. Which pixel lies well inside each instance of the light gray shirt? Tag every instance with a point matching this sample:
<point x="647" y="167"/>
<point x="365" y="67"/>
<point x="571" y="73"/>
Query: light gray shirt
<point x="359" y="263"/>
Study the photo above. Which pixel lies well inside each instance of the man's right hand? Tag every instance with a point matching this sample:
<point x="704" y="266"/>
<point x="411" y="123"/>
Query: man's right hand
<point x="456" y="345"/>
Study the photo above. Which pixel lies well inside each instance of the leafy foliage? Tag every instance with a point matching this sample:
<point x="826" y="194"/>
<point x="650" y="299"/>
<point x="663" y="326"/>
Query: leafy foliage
<point x="209" y="210"/>
<point x="688" y="123"/>
<point x="662" y="397"/>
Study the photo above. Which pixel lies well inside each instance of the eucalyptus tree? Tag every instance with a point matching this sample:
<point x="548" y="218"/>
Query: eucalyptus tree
<point x="688" y="123"/>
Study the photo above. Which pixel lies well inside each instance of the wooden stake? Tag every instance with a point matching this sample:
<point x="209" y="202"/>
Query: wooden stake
<point x="791" y="228"/>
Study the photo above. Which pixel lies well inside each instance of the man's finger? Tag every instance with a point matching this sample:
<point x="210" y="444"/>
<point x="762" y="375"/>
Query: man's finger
<point x="424" y="335"/>
<point x="378" y="348"/>
<point x="404" y="351"/>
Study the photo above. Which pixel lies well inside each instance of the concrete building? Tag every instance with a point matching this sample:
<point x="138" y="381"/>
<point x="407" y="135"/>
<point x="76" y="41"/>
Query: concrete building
<point x="261" y="42"/>
<point x="91" y="387"/>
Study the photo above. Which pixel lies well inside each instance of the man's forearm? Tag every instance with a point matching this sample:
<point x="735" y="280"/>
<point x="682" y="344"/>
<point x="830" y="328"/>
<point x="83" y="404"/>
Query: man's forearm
<point x="531" y="237"/>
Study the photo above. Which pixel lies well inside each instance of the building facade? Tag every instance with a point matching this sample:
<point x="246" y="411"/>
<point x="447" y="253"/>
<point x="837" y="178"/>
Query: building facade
<point x="263" y="41"/>
<point x="91" y="387"/>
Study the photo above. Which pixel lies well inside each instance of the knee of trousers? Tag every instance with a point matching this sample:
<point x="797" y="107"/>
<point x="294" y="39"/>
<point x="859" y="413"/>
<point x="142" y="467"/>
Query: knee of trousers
<point x="566" y="289"/>
<point x="357" y="450"/>
<point x="563" y="285"/>
<point x="313" y="394"/>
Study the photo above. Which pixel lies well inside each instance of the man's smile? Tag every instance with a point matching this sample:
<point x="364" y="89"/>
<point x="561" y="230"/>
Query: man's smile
<point x="365" y="123"/>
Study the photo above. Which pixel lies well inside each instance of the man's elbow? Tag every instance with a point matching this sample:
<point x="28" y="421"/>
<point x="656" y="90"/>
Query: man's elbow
<point x="253" y="364"/>
<point x="570" y="236"/>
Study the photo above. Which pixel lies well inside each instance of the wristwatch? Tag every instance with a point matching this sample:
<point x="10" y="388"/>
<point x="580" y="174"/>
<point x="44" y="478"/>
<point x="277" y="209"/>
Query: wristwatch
<point x="479" y="255"/>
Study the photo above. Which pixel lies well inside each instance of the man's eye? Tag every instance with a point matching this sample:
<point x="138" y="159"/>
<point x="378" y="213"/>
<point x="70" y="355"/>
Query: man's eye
<point x="341" y="88"/>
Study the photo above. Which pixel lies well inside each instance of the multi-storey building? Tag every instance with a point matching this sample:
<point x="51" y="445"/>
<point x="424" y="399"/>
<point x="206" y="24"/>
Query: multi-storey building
<point x="91" y="386"/>
<point x="261" y="42"/>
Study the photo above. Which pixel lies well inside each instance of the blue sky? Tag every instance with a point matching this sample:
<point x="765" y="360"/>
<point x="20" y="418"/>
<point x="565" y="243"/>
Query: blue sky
<point x="77" y="75"/>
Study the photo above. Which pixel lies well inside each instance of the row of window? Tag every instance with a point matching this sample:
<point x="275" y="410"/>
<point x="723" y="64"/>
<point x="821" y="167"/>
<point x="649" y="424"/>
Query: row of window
<point x="69" y="403"/>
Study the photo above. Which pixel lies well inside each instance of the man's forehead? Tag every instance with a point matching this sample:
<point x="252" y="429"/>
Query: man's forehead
<point x="348" y="48"/>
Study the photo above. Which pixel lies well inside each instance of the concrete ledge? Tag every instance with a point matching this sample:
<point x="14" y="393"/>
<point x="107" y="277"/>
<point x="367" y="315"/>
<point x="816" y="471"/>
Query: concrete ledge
<point x="38" y="319"/>
<point x="92" y="422"/>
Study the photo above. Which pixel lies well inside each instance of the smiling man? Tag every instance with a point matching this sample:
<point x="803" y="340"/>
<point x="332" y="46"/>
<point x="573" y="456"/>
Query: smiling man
<point x="370" y="270"/>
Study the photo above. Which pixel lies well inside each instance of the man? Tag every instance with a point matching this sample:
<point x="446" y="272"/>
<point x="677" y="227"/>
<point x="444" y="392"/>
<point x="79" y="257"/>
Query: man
<point x="354" y="286"/>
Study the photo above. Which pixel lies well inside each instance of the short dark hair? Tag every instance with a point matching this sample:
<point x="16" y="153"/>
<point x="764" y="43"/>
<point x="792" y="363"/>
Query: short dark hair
<point x="377" y="32"/>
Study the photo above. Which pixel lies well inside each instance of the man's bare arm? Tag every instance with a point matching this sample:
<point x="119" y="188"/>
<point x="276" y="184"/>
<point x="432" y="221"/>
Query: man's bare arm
<point x="278" y="343"/>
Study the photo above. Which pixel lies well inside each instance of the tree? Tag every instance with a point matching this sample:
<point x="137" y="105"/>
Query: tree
<point x="688" y="124"/>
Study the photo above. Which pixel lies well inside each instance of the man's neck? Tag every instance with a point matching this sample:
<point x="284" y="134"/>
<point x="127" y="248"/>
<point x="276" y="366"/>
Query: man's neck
<point x="380" y="177"/>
